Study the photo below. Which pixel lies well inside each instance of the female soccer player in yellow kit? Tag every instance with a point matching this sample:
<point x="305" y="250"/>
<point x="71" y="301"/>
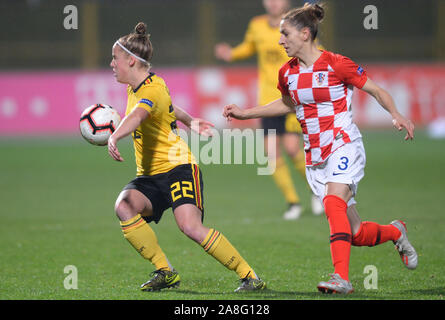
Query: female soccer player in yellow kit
<point x="262" y="38"/>
<point x="167" y="173"/>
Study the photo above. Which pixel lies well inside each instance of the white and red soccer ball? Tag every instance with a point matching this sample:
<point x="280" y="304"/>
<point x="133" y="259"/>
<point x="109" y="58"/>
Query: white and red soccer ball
<point x="98" y="122"/>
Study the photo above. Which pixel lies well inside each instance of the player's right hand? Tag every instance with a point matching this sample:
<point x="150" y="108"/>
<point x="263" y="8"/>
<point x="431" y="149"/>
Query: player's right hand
<point x="113" y="150"/>
<point x="233" y="111"/>
<point x="400" y="122"/>
<point x="223" y="51"/>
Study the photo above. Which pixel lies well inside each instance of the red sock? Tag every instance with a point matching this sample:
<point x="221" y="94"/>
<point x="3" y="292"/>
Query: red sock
<point x="340" y="230"/>
<point x="371" y="234"/>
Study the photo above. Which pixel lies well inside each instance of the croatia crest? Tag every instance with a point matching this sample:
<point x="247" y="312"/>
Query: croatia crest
<point x="319" y="78"/>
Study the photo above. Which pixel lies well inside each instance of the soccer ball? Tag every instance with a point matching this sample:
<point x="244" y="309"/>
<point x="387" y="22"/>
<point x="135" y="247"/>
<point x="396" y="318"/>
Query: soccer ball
<point x="98" y="122"/>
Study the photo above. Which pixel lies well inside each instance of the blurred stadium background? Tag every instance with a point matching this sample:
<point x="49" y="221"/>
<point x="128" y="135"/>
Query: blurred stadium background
<point x="57" y="192"/>
<point x="405" y="55"/>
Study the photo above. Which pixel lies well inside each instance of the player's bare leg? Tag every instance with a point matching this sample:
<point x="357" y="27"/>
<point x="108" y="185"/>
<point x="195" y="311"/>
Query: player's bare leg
<point x="131" y="202"/>
<point x="354" y="219"/>
<point x="189" y="220"/>
<point x="282" y="177"/>
<point x="130" y="206"/>
<point x="291" y="144"/>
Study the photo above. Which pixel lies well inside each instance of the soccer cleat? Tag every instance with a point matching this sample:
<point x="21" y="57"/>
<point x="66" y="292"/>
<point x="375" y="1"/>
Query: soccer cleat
<point x="251" y="284"/>
<point x="162" y="279"/>
<point x="317" y="207"/>
<point x="293" y="213"/>
<point x="335" y="285"/>
<point x="406" y="250"/>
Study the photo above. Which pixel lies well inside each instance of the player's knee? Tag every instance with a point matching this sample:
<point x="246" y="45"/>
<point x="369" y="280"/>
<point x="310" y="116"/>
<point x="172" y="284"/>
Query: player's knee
<point x="292" y="153"/>
<point x="124" y="210"/>
<point x="187" y="228"/>
<point x="291" y="150"/>
<point x="192" y="230"/>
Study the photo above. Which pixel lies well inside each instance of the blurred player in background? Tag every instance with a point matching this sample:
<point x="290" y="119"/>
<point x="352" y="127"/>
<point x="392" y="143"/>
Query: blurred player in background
<point x="167" y="173"/>
<point x="319" y="85"/>
<point x="262" y="38"/>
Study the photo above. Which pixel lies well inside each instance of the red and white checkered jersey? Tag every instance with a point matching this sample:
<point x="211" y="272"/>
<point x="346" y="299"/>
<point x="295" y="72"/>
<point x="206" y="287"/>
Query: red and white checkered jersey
<point x="322" y="94"/>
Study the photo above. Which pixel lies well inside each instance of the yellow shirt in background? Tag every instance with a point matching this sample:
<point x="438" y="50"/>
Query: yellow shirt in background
<point x="262" y="39"/>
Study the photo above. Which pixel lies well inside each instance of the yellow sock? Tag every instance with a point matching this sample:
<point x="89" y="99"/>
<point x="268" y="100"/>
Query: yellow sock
<point x="222" y="250"/>
<point x="300" y="163"/>
<point x="142" y="237"/>
<point x="284" y="182"/>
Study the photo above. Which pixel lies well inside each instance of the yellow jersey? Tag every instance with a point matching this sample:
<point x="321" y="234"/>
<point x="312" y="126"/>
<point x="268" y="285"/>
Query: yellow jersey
<point x="262" y="39"/>
<point x="158" y="148"/>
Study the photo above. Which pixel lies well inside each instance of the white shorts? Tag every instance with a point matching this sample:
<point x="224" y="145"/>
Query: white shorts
<point x="346" y="165"/>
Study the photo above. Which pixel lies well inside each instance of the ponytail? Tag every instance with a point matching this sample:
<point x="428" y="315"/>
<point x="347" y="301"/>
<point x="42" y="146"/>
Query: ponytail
<point x="138" y="44"/>
<point x="309" y="15"/>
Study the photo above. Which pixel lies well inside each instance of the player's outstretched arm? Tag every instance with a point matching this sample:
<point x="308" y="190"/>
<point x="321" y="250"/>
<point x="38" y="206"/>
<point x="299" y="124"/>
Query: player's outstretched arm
<point x="223" y="51"/>
<point x="128" y="125"/>
<point x="200" y="126"/>
<point x="387" y="102"/>
<point x="276" y="108"/>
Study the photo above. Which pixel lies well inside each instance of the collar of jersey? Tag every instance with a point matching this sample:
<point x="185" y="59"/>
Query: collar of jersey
<point x="296" y="62"/>
<point x="145" y="80"/>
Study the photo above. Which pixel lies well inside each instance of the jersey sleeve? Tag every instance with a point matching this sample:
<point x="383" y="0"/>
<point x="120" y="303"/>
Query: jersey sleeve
<point x="246" y="48"/>
<point x="148" y="99"/>
<point x="282" y="82"/>
<point x="349" y="72"/>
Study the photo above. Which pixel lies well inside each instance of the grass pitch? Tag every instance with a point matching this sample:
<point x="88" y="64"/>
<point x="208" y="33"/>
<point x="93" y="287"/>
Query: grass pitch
<point x="57" y="197"/>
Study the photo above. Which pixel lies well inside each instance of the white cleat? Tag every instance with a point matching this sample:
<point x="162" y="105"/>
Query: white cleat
<point x="293" y="213"/>
<point x="317" y="207"/>
<point x="406" y="250"/>
<point x="335" y="285"/>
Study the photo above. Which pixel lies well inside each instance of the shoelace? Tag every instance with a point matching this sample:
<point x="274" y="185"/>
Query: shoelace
<point x="335" y="278"/>
<point x="158" y="272"/>
<point x="245" y="279"/>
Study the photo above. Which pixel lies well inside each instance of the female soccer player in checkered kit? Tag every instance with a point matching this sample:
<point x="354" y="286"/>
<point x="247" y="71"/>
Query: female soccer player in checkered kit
<point x="168" y="175"/>
<point x="261" y="38"/>
<point x="318" y="86"/>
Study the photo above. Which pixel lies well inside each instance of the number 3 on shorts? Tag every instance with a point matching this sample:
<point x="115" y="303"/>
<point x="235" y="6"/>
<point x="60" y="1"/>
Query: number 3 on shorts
<point x="344" y="163"/>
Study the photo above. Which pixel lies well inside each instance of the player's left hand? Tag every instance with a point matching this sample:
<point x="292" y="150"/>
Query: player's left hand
<point x="400" y="122"/>
<point x="113" y="151"/>
<point x="202" y="127"/>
